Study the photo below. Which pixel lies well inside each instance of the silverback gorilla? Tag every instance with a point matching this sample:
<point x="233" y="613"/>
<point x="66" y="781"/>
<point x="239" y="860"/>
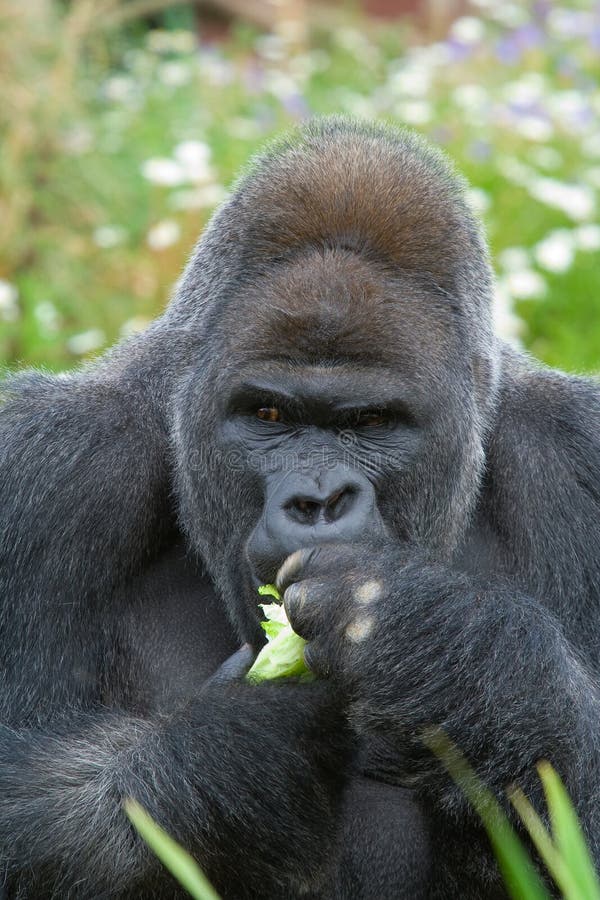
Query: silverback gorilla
<point x="323" y="402"/>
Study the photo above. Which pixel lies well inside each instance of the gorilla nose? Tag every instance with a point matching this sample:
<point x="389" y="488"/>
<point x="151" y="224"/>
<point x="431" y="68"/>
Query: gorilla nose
<point x="337" y="506"/>
<point x="311" y="510"/>
<point x="307" y="508"/>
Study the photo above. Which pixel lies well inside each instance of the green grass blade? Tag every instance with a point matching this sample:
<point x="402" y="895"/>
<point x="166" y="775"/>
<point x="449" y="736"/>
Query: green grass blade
<point x="520" y="876"/>
<point x="179" y="863"/>
<point x="556" y="864"/>
<point x="568" y="836"/>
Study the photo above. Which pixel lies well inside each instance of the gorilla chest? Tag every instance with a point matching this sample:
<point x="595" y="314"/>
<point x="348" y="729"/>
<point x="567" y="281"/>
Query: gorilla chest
<point x="172" y="636"/>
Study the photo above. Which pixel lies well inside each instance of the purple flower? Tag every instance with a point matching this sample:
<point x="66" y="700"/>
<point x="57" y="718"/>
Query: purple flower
<point x="479" y="150"/>
<point x="457" y="50"/>
<point x="508" y="50"/>
<point x="296" y="105"/>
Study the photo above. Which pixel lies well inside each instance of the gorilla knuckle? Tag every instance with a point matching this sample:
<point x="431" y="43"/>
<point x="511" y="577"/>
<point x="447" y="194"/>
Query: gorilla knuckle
<point x="359" y="629"/>
<point x="368" y="591"/>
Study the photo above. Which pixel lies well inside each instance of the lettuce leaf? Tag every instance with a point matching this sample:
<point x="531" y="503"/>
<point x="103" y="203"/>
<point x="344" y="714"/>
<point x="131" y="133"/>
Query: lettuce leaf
<point x="283" y="655"/>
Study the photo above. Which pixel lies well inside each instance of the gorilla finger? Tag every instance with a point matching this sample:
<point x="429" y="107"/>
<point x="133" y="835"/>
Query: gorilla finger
<point x="294" y="567"/>
<point x="235" y="666"/>
<point x="307" y="607"/>
<point x="318" y="659"/>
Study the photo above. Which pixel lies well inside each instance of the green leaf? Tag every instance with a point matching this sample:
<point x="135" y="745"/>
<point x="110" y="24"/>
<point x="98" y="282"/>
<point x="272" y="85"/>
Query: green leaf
<point x="179" y="863"/>
<point x="569" y="838"/>
<point x="549" y="853"/>
<point x="269" y="590"/>
<point x="520" y="876"/>
<point x="283" y="656"/>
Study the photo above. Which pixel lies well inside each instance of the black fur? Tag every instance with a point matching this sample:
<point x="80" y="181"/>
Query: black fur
<point x="456" y="583"/>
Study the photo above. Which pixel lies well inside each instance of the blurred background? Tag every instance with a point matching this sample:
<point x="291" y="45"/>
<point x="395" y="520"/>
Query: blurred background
<point x="123" y="123"/>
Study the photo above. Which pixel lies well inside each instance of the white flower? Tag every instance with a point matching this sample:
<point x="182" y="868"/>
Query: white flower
<point x="471" y="97"/>
<point x="166" y="172"/>
<point x="411" y="80"/>
<point x="216" y="71"/>
<point x="350" y="39"/>
<point x="525" y="284"/>
<point x="514" y="170"/>
<point x="164" y="234"/>
<point x="134" y="326"/>
<point x="354" y="103"/>
<point x="557" y="251"/>
<point x="526" y="90"/>
<point x="180" y="41"/>
<point x="546" y="157"/>
<point x="243" y="129"/>
<point x="564" y="22"/>
<point x="506" y="323"/>
<point x="107" y="236"/>
<point x="79" y="139"/>
<point x="569" y="108"/>
<point x="280" y="84"/>
<point x="514" y="259"/>
<point x="468" y="30"/>
<point x="479" y="200"/>
<point x="48" y="317"/>
<point x="510" y="14"/>
<point x="208" y="195"/>
<point x="194" y="159"/>
<point x="9" y="301"/>
<point x="120" y="88"/>
<point x="271" y="47"/>
<point x="415" y="112"/>
<point x="587" y="237"/>
<point x="577" y="201"/>
<point x="86" y="341"/>
<point x="175" y="73"/>
<point x="435" y="55"/>
<point x="590" y="146"/>
<point x="534" y="128"/>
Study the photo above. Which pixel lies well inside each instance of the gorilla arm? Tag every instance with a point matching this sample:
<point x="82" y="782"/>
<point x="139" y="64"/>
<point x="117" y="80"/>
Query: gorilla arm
<point x="201" y="774"/>
<point x="507" y="664"/>
<point x="83" y="500"/>
<point x="492" y="668"/>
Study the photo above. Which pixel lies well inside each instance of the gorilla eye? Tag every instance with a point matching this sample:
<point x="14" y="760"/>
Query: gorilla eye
<point x="371" y="419"/>
<point x="268" y="414"/>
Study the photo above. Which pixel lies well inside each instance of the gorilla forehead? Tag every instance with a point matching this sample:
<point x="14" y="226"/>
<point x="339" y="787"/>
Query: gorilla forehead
<point x="332" y="305"/>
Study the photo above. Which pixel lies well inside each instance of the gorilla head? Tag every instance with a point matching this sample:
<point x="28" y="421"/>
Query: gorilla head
<point x="346" y="386"/>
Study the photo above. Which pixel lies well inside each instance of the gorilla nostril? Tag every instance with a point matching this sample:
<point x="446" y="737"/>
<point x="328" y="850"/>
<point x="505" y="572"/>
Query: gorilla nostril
<point x="338" y="504"/>
<point x="303" y="510"/>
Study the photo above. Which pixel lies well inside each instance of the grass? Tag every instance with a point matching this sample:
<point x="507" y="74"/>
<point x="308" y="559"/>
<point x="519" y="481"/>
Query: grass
<point x="561" y="848"/>
<point x="90" y="245"/>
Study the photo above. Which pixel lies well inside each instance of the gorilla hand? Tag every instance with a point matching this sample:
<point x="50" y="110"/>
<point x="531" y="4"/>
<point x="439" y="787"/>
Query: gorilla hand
<point x="419" y="645"/>
<point x="285" y="753"/>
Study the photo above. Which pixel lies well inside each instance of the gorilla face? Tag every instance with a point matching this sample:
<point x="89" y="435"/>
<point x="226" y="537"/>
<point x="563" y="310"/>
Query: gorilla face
<point x="339" y="407"/>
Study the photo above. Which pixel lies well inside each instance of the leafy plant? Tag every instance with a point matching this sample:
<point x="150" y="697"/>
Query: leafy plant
<point x="179" y="863"/>
<point x="562" y="849"/>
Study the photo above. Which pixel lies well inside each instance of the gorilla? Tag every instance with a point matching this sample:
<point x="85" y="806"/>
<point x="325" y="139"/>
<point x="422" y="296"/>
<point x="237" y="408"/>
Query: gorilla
<point x="324" y="402"/>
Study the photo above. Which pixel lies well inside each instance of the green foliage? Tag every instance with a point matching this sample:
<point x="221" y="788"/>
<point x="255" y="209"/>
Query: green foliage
<point x="283" y="655"/>
<point x="562" y="849"/>
<point x="179" y="863"/>
<point x="102" y="195"/>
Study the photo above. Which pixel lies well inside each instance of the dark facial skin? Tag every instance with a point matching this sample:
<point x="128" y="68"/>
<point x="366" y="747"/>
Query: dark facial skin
<point x="321" y="453"/>
<point x="323" y="423"/>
